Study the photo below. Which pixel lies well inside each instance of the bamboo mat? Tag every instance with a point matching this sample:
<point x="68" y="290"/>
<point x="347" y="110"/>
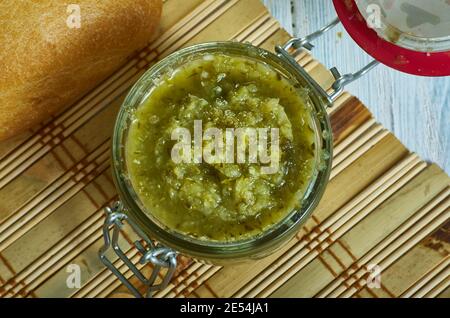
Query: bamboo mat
<point x="383" y="206"/>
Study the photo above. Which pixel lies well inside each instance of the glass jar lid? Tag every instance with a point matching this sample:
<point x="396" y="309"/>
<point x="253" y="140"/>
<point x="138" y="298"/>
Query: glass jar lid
<point x="414" y="24"/>
<point x="412" y="36"/>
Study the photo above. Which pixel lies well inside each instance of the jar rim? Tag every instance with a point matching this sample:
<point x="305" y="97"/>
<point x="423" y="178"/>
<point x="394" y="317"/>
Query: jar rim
<point x="206" y="249"/>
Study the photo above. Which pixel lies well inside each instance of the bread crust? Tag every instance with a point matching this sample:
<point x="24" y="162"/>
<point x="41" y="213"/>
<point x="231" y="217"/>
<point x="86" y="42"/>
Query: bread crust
<point x="46" y="65"/>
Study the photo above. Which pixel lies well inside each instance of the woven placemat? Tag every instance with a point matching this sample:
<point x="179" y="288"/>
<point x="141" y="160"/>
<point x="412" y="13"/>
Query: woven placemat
<point x="384" y="208"/>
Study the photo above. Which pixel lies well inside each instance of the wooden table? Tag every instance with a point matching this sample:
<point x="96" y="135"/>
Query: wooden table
<point x="415" y="109"/>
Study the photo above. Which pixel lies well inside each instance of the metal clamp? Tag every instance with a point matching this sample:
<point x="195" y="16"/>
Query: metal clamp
<point x="298" y="44"/>
<point x="159" y="256"/>
<point x="344" y="80"/>
<point x="305" y="42"/>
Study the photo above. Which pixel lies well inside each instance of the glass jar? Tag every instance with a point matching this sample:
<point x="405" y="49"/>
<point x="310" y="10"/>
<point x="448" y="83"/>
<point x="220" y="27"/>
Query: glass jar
<point x="211" y="251"/>
<point x="171" y="242"/>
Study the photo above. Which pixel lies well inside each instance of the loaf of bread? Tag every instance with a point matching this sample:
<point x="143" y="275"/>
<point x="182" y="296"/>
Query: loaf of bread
<point x="54" y="52"/>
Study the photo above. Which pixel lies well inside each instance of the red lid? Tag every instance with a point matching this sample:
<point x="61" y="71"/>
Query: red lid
<point x="412" y="36"/>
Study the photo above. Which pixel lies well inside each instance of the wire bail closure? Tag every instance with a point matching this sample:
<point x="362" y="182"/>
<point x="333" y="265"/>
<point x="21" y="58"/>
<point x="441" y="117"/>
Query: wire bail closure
<point x="296" y="45"/>
<point x="159" y="256"/>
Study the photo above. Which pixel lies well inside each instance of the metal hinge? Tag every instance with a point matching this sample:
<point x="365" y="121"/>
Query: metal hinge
<point x="160" y="257"/>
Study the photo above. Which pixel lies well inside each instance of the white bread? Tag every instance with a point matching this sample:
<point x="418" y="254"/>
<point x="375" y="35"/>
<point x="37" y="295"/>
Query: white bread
<point x="46" y="65"/>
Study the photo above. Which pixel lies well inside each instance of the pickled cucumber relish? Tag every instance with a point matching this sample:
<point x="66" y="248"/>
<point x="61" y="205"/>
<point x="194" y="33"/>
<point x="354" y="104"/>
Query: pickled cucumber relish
<point x="220" y="201"/>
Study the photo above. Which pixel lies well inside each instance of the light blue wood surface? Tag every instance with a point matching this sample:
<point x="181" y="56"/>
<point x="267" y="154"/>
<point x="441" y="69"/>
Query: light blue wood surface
<point x="415" y="109"/>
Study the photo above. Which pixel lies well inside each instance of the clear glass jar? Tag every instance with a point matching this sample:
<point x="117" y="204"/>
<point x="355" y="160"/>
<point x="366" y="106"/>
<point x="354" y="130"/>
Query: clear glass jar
<point x="216" y="252"/>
